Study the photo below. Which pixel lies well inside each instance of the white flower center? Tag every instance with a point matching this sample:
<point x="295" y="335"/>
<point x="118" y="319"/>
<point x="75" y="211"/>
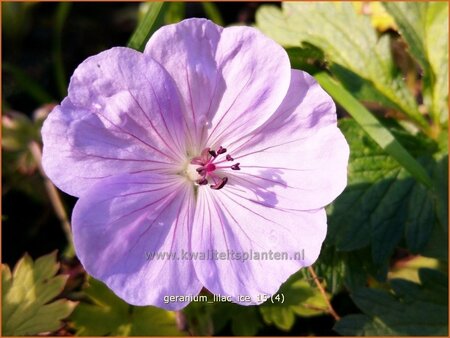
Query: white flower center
<point x="202" y="168"/>
<point x="192" y="173"/>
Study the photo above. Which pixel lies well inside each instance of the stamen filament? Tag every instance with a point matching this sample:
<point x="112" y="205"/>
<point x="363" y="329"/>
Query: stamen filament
<point x="208" y="166"/>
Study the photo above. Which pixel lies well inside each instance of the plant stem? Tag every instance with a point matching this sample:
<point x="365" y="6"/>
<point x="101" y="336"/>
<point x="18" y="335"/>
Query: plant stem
<point x="324" y="294"/>
<point x="54" y="197"/>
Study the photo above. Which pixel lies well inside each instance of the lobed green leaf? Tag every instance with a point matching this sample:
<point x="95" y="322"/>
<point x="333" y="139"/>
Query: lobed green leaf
<point x="244" y="320"/>
<point x="382" y="204"/>
<point x="27" y="296"/>
<point x="106" y="314"/>
<point x="350" y="44"/>
<point x="301" y="297"/>
<point x="410" y="309"/>
<point x="424" y="26"/>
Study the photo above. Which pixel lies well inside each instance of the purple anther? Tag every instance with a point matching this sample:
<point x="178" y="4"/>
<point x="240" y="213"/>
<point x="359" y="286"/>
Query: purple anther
<point x="202" y="181"/>
<point x="235" y="166"/>
<point x="201" y="171"/>
<point x="221" y="150"/>
<point x="220" y="184"/>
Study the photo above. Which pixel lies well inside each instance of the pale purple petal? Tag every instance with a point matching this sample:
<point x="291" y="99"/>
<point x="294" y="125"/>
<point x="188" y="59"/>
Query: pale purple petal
<point x="122" y="114"/>
<point x="228" y="221"/>
<point x="131" y="140"/>
<point x="122" y="219"/>
<point x="231" y="80"/>
<point x="299" y="155"/>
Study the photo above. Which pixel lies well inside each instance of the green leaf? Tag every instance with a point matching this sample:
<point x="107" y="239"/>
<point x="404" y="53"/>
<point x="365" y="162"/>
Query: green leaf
<point x="28" y="297"/>
<point x="199" y="317"/>
<point x="410" y="18"/>
<point x="352" y="270"/>
<point x="349" y="42"/>
<point x="409" y="309"/>
<point x="211" y="317"/>
<point x="272" y="21"/>
<point x="362" y="325"/>
<point x="409" y="270"/>
<point x="437" y="246"/>
<point x="440" y="177"/>
<point x="420" y="219"/>
<point x="437" y="48"/>
<point x="379" y="202"/>
<point x="151" y="21"/>
<point x="282" y="317"/>
<point x="306" y="58"/>
<point x="330" y="266"/>
<point x="380" y="19"/>
<point x="109" y="315"/>
<point x="244" y="320"/>
<point x="298" y="296"/>
<point x="424" y="26"/>
<point x="360" y="269"/>
<point x="374" y="128"/>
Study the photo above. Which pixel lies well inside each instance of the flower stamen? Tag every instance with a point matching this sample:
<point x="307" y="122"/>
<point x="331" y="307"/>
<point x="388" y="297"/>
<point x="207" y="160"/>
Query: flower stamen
<point x="220" y="184"/>
<point x="202" y="181"/>
<point x="207" y="168"/>
<point x="235" y="166"/>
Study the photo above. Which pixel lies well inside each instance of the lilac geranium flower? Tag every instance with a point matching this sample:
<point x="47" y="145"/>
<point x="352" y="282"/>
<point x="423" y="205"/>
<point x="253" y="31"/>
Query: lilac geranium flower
<point x="206" y="142"/>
